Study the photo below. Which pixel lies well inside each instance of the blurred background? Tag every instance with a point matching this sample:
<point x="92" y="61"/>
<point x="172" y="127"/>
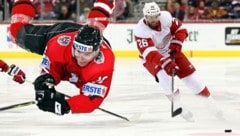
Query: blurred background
<point x="131" y="10"/>
<point x="213" y="25"/>
<point x="212" y="44"/>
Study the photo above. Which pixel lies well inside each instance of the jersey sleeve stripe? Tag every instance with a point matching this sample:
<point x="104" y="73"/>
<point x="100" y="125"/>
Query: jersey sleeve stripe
<point x="177" y="42"/>
<point x="147" y="51"/>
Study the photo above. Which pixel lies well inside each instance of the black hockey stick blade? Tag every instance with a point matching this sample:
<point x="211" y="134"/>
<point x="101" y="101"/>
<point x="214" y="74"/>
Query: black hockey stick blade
<point x="17" y="105"/>
<point x="177" y="112"/>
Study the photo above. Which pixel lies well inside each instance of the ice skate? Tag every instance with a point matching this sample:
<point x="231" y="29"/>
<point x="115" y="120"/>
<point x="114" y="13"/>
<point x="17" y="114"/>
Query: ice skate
<point x="186" y="114"/>
<point x="214" y="109"/>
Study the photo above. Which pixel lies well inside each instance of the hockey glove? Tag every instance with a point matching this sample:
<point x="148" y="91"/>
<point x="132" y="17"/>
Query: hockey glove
<point x="48" y="98"/>
<point x="175" y="48"/>
<point x="3" y="66"/>
<point x="17" y="74"/>
<point x="169" y="66"/>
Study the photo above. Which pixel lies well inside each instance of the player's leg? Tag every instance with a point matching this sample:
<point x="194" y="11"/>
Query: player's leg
<point x="165" y="81"/>
<point x="30" y="37"/>
<point x="188" y="75"/>
<point x="190" y="78"/>
<point x="22" y="14"/>
<point x="100" y="13"/>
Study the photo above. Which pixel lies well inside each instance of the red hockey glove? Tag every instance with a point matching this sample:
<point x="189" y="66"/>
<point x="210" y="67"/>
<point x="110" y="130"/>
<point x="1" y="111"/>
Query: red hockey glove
<point x="169" y="66"/>
<point x="17" y="74"/>
<point x="3" y="66"/>
<point x="175" y="48"/>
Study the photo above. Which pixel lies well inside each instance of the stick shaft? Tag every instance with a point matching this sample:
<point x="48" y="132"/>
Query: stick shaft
<point x="17" y="105"/>
<point x="33" y="102"/>
<point x="114" y="114"/>
<point x="178" y="110"/>
<point x="107" y="111"/>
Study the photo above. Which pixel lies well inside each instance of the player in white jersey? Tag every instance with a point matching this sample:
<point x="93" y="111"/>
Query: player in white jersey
<point x="159" y="39"/>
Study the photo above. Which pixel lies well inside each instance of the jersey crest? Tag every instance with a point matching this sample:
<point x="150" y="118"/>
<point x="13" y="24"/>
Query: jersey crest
<point x="101" y="79"/>
<point x="64" y="40"/>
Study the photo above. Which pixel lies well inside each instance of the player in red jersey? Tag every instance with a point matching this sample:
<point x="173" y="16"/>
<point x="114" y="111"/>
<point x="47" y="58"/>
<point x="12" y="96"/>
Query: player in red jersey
<point x="14" y="71"/>
<point x="71" y="52"/>
<point x="159" y="39"/>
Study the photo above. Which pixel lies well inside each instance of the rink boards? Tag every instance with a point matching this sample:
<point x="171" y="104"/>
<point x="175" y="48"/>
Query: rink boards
<point x="204" y="40"/>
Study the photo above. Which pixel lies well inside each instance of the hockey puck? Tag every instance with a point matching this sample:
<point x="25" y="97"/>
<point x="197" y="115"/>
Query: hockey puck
<point x="228" y="130"/>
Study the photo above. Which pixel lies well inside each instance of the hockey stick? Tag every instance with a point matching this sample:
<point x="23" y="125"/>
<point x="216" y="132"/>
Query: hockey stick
<point x="178" y="110"/>
<point x="106" y="111"/>
<point x="33" y="102"/>
<point x="17" y="105"/>
<point x="114" y="114"/>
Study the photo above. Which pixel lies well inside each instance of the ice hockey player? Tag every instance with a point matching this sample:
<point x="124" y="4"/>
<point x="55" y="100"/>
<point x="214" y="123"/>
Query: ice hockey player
<point x="14" y="71"/>
<point x="159" y="39"/>
<point x="71" y="52"/>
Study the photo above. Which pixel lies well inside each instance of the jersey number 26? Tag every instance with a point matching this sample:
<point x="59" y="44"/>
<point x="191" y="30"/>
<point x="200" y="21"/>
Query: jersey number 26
<point x="142" y="43"/>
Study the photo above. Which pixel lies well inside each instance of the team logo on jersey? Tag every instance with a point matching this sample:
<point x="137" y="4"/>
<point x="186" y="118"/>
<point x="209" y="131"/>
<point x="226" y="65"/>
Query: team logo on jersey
<point x="101" y="79"/>
<point x="64" y="40"/>
<point x="45" y="62"/>
<point x="73" y="78"/>
<point x="100" y="58"/>
<point x="94" y="89"/>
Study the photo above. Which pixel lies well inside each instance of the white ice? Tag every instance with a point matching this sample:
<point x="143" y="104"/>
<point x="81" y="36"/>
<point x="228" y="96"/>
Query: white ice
<point x="133" y="92"/>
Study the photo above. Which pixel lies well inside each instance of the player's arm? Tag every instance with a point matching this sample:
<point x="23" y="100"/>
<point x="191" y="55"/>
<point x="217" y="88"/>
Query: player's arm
<point x="45" y="94"/>
<point x="53" y="101"/>
<point x="149" y="53"/>
<point x="179" y="34"/>
<point x="13" y="70"/>
<point x="52" y="64"/>
<point x="92" y="94"/>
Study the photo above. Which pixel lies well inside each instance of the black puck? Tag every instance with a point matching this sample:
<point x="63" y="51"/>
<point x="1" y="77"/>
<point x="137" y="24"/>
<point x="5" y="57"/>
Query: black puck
<point x="228" y="130"/>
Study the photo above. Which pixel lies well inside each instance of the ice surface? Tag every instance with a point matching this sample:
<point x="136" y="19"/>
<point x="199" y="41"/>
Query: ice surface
<point x="133" y="92"/>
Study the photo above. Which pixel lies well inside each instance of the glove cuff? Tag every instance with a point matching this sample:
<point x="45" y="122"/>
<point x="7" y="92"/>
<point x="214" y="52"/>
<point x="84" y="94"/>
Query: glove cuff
<point x="60" y="98"/>
<point x="4" y="67"/>
<point x="176" y="43"/>
<point x="165" y="62"/>
<point x="13" y="69"/>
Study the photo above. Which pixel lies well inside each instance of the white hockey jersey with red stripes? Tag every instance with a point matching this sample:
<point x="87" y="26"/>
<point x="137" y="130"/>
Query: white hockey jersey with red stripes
<point x="149" y="41"/>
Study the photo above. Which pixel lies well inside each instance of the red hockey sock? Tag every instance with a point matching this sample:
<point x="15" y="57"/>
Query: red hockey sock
<point x="205" y="92"/>
<point x="22" y="13"/>
<point x="23" y="7"/>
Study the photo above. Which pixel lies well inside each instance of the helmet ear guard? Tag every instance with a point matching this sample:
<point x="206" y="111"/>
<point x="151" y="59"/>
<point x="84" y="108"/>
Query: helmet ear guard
<point x="87" y="39"/>
<point x="151" y="9"/>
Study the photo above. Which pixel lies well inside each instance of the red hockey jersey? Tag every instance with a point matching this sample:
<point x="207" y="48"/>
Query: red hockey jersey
<point x="92" y="80"/>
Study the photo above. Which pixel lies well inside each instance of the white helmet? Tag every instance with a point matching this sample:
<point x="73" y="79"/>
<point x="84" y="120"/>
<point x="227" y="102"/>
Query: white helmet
<point x="151" y="9"/>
